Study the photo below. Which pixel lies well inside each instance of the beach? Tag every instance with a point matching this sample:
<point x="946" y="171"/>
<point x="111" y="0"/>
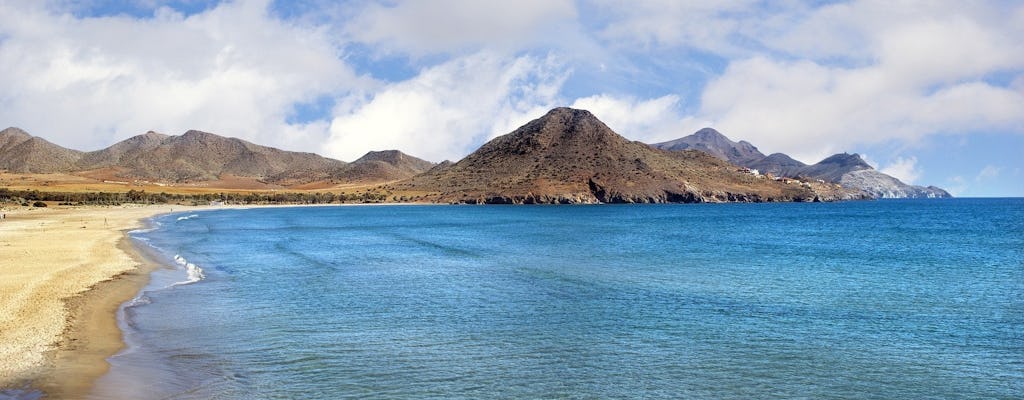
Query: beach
<point x="65" y="272"/>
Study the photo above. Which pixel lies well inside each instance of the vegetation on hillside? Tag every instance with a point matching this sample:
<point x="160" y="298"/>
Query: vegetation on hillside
<point x="25" y="197"/>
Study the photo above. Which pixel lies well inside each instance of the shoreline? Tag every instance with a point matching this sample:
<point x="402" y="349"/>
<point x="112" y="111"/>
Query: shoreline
<point x="67" y="272"/>
<point x="93" y="333"/>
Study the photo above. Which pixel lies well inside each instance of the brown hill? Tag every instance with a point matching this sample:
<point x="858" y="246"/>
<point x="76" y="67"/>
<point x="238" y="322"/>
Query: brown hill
<point x="198" y="156"/>
<point x="122" y="152"/>
<point x="24" y="153"/>
<point x="202" y="156"/>
<point x="12" y="137"/>
<point x="569" y="156"/>
<point x="382" y="166"/>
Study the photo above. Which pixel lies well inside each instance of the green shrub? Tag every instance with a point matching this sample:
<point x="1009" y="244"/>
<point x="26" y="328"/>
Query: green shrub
<point x="38" y="204"/>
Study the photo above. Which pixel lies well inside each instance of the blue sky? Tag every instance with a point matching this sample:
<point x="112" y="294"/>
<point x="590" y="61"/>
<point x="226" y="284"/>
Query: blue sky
<point x="931" y="92"/>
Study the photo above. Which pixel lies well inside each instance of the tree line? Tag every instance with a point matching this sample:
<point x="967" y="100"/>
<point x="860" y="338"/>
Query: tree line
<point x="29" y="197"/>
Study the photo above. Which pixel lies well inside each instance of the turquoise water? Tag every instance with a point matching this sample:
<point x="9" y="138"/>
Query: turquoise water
<point x="884" y="299"/>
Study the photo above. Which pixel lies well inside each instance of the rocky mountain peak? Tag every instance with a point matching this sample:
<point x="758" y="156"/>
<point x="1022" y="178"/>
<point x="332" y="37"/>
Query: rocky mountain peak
<point x="847" y="160"/>
<point x="382" y="166"/>
<point x="14" y="132"/>
<point x="710" y="134"/>
<point x="13" y="136"/>
<point x="560" y="131"/>
<point x="147" y="138"/>
<point x="389" y="156"/>
<point x="715" y="143"/>
<point x="565" y="123"/>
<point x="195" y="135"/>
<point x="568" y="116"/>
<point x="395" y="158"/>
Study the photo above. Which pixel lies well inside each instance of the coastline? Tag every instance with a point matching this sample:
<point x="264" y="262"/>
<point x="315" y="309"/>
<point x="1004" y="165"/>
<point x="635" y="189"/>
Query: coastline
<point x="66" y="272"/>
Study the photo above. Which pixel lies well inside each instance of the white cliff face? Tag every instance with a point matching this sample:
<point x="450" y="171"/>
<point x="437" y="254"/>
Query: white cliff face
<point x="884" y="186"/>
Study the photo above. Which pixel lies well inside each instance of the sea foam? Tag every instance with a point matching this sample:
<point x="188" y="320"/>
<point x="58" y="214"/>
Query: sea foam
<point x="139" y="300"/>
<point x="188" y="217"/>
<point x="194" y="273"/>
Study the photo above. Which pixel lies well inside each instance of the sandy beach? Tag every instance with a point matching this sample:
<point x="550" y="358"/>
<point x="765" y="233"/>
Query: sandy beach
<point x="64" y="273"/>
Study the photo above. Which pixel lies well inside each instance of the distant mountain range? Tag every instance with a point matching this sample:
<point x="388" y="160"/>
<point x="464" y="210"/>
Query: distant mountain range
<point x="569" y="156"/>
<point x="565" y="156"/>
<point x="21" y="152"/>
<point x="848" y="170"/>
<point x="198" y="156"/>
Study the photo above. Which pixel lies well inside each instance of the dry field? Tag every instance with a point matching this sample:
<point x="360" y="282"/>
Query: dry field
<point x="84" y="182"/>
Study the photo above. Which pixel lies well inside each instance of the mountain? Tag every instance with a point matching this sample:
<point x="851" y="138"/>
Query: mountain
<point x="24" y="153"/>
<point x="382" y="166"/>
<point x="848" y="170"/>
<point x="125" y="150"/>
<point x="566" y="156"/>
<point x="198" y="156"/>
<point x="12" y="137"/>
<point x="778" y="164"/>
<point x="851" y="170"/>
<point x="887" y="187"/>
<point x="202" y="156"/>
<point x="192" y="157"/>
<point x="712" y="142"/>
<point x="569" y="156"/>
<point x="835" y="166"/>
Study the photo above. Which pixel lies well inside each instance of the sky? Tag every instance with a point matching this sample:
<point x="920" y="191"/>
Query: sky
<point x="931" y="92"/>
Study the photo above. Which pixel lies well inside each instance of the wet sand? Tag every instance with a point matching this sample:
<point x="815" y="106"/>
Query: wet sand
<point x="63" y="276"/>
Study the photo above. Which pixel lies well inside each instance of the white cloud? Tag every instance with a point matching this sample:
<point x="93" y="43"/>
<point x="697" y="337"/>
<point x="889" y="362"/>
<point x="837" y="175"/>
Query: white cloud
<point x="233" y="70"/>
<point x="914" y="32"/>
<point x="988" y="173"/>
<point x="904" y="169"/>
<point x="448" y="110"/>
<point x="650" y="121"/>
<point x="419" y="27"/>
<point x="811" y="111"/>
<point x="703" y="25"/>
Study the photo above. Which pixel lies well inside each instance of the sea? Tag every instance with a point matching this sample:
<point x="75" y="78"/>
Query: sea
<point x="888" y="299"/>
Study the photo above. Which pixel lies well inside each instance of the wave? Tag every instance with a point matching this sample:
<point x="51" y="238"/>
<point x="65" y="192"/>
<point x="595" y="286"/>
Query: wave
<point x="188" y="217"/>
<point x="151" y="225"/>
<point x="139" y="300"/>
<point x="194" y="273"/>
